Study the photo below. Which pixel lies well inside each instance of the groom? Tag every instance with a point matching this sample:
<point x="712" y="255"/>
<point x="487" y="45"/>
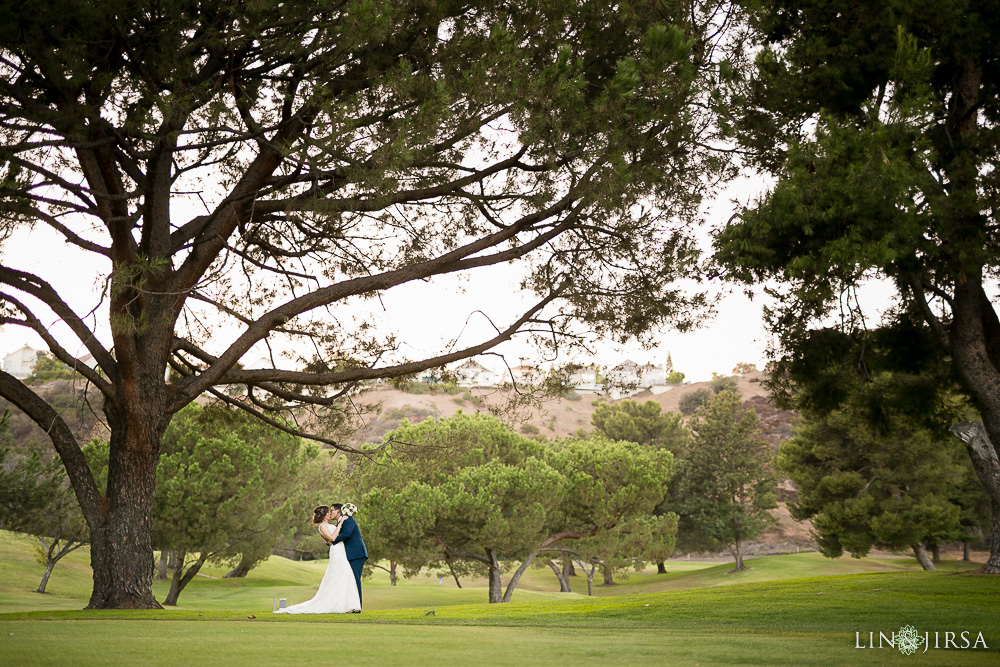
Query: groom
<point x="354" y="546"/>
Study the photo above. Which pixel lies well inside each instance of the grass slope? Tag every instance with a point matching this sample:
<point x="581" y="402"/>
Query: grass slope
<point x="647" y="619"/>
<point x="69" y="587"/>
<point x="795" y="622"/>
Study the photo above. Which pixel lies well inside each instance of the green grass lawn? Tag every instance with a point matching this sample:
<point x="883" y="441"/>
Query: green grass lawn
<point x="787" y="610"/>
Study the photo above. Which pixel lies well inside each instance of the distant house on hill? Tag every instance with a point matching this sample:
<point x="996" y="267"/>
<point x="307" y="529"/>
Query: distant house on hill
<point x="625" y="373"/>
<point x="88" y="361"/>
<point x="585" y="379"/>
<point x="21" y="362"/>
<point x="521" y="375"/>
<point x="652" y="376"/>
<point x="259" y="364"/>
<point x="473" y="374"/>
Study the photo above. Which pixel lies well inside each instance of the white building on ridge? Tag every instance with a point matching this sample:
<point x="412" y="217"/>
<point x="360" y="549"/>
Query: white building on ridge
<point x="21" y="362"/>
<point x="471" y="373"/>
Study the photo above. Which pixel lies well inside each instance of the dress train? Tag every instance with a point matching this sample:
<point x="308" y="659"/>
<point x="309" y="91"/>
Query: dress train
<point x="338" y="592"/>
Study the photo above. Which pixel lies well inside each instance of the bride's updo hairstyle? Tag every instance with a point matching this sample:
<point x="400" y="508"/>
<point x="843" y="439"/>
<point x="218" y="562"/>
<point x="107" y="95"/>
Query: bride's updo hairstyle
<point x="319" y="514"/>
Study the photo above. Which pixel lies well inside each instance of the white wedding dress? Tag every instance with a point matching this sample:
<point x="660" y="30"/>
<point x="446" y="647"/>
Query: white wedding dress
<point x="338" y="592"/>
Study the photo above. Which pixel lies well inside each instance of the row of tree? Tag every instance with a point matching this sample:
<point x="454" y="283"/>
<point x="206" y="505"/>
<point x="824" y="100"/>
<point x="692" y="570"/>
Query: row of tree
<point x="475" y="494"/>
<point x="469" y="495"/>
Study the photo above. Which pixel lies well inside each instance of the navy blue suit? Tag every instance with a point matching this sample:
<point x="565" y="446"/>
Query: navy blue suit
<point x="354" y="547"/>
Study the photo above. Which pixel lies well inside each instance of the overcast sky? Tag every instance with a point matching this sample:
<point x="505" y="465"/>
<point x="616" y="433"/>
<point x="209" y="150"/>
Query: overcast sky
<point x="425" y="317"/>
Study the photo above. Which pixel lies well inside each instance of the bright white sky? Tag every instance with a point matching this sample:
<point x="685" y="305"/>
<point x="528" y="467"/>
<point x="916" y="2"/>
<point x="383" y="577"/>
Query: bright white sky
<point x="426" y="316"/>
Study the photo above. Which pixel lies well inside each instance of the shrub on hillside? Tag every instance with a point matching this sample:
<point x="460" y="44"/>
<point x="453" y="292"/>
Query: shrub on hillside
<point x="691" y="401"/>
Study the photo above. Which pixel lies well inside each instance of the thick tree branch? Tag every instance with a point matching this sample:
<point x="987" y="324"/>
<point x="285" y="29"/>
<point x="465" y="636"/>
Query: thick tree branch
<point x="443" y="264"/>
<point x="44" y="292"/>
<point x="65" y="443"/>
<point x="57" y="350"/>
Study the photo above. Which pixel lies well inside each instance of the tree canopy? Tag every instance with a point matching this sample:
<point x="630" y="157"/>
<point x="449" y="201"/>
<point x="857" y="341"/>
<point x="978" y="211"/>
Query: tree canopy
<point x="642" y="423"/>
<point x="35" y="498"/>
<point x="227" y="490"/>
<point x="891" y="482"/>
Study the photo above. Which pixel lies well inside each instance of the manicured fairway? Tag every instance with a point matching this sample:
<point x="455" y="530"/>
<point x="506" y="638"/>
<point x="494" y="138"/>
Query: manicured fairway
<point x="71" y="581"/>
<point x="797" y="622"/>
<point x="699" y="613"/>
<point x="205" y="643"/>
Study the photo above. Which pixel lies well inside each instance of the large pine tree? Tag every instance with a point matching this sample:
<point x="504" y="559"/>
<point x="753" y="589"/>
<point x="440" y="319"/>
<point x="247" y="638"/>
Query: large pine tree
<point x="256" y="167"/>
<point x="879" y="121"/>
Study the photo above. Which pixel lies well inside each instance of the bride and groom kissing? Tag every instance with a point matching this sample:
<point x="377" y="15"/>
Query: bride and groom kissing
<point x="340" y="590"/>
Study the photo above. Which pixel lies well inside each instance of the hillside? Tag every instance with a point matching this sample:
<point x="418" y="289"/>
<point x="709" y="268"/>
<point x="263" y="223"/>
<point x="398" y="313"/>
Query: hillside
<point x="559" y="417"/>
<point x="76" y="402"/>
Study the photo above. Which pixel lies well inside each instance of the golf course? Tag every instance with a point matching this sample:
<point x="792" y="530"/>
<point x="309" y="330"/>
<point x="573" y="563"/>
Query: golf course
<point x="793" y="609"/>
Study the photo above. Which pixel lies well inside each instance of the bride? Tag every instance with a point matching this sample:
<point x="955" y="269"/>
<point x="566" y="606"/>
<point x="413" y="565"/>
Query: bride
<point x="338" y="592"/>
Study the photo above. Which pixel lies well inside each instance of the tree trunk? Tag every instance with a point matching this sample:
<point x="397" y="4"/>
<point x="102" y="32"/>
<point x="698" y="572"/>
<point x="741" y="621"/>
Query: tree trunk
<point x="392" y="573"/>
<point x="161" y="568"/>
<point x="45" y="577"/>
<point x="738" y="554"/>
<point x="936" y="553"/>
<point x="987" y="465"/>
<point x="182" y="578"/>
<point x="965" y="552"/>
<point x="452" y="569"/>
<point x="496" y="588"/>
<point x="561" y="576"/>
<point x="121" y="552"/>
<point x="241" y="571"/>
<point x="608" y="578"/>
<point x="661" y="568"/>
<point x="518" y="573"/>
<point x="568" y="569"/>
<point x="590" y="577"/>
<point x="921" y="554"/>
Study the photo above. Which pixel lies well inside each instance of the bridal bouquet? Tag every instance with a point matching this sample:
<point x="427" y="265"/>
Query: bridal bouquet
<point x="348" y="509"/>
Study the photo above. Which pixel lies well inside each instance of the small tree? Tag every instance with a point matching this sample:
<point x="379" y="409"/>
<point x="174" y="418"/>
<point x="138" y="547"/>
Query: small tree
<point x="676" y="377"/>
<point x="223" y="494"/>
<point x="725" y="483"/>
<point x="721" y="383"/>
<point x="35" y="498"/>
<point x="693" y="401"/>
<point x="59" y="529"/>
<point x="890" y="482"/>
<point x="26" y="481"/>
<point x="644" y="424"/>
